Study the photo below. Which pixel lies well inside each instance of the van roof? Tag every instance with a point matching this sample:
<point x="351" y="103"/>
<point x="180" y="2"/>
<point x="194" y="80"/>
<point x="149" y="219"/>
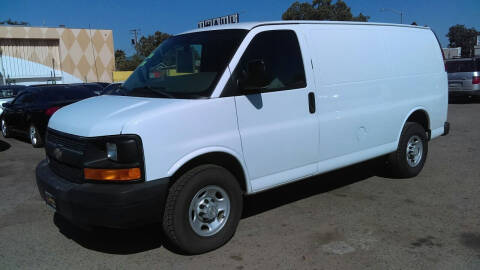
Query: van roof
<point x="251" y="25"/>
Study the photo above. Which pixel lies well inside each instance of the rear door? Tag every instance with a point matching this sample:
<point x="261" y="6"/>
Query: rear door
<point x="278" y="125"/>
<point x="460" y="74"/>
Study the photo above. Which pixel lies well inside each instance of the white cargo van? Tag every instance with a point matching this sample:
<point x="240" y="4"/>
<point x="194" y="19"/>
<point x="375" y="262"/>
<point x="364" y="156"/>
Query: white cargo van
<point x="218" y="113"/>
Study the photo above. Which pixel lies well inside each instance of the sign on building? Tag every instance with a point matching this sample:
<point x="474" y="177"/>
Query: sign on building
<point x="233" y="18"/>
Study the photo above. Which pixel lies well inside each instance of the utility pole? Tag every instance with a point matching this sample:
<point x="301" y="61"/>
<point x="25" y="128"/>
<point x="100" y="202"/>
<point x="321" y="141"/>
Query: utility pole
<point x="2" y="72"/>
<point x="394" y="11"/>
<point x="135" y="33"/>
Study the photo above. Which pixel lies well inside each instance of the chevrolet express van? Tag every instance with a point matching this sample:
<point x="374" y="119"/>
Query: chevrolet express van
<point x="218" y="113"/>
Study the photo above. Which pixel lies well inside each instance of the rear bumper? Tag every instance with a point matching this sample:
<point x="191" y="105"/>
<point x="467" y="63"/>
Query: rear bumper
<point x="103" y="204"/>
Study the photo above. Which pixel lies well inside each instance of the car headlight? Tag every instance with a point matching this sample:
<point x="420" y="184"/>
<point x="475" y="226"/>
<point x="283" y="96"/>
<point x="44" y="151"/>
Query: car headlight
<point x="112" y="151"/>
<point x="114" y="158"/>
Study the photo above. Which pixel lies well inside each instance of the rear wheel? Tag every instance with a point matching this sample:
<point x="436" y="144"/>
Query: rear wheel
<point x="203" y="209"/>
<point x="5" y="129"/>
<point x="35" y="137"/>
<point x="411" y="154"/>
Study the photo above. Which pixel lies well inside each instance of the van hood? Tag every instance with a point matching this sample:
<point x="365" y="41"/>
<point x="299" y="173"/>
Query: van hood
<point x="107" y="115"/>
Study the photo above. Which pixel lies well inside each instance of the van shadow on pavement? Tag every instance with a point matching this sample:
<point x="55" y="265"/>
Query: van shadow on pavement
<point x="129" y="241"/>
<point x="112" y="241"/>
<point x="4" y="146"/>
<point x="265" y="201"/>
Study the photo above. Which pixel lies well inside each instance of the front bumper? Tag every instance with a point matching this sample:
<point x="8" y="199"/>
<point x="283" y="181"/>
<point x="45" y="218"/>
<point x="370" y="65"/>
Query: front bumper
<point x="103" y="204"/>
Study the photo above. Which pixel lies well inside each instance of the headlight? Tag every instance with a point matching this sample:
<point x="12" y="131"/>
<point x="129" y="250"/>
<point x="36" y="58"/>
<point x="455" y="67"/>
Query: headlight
<point x="114" y="158"/>
<point x="112" y="151"/>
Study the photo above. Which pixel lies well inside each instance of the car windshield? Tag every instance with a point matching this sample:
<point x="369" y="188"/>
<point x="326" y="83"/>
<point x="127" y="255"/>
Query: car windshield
<point x="184" y="66"/>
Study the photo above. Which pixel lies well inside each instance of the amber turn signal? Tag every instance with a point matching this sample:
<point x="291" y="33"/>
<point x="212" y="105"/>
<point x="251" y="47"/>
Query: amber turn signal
<point x="112" y="174"/>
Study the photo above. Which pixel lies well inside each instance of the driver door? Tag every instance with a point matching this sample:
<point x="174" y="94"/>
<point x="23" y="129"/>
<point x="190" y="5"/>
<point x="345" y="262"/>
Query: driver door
<point x="278" y="126"/>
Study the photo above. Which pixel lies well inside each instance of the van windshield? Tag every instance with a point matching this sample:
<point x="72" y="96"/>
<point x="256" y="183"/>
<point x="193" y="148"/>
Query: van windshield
<point x="469" y="65"/>
<point x="184" y="66"/>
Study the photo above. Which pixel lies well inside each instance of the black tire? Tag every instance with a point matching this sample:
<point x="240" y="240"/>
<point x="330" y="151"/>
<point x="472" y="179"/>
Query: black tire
<point x="399" y="163"/>
<point x="4" y="128"/>
<point x="36" y="139"/>
<point x="176" y="223"/>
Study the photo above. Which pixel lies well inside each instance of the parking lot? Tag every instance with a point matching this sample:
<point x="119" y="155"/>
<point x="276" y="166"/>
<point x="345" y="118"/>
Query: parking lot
<point x="352" y="218"/>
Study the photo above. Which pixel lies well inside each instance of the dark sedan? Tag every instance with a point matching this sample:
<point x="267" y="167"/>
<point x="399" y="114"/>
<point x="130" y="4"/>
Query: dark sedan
<point x="97" y="87"/>
<point x="29" y="112"/>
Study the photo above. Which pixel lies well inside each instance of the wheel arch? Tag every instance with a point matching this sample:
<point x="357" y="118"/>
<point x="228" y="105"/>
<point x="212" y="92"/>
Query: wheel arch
<point x="418" y="115"/>
<point x="219" y="156"/>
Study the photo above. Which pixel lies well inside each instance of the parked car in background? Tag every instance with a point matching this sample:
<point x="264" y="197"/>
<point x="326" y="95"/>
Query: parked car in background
<point x="110" y="89"/>
<point x="463" y="77"/>
<point x="94" y="86"/>
<point x="29" y="112"/>
<point x="7" y="93"/>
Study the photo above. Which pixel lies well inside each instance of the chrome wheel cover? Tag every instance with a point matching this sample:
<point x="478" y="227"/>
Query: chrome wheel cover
<point x="414" y="151"/>
<point x="4" y="128"/>
<point x="33" y="135"/>
<point x="209" y="210"/>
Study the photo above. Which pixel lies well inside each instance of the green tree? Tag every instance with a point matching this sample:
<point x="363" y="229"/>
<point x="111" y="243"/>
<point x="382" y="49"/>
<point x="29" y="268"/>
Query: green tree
<point x="460" y="36"/>
<point x="10" y="22"/>
<point x="147" y="44"/>
<point x="124" y="63"/>
<point x="120" y="59"/>
<point x="322" y="10"/>
<point x="132" y="62"/>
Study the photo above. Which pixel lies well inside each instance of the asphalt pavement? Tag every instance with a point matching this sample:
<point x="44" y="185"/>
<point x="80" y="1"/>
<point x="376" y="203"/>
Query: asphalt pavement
<point x="353" y="218"/>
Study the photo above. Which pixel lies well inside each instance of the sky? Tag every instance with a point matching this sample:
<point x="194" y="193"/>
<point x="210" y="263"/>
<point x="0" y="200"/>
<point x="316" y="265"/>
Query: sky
<point x="174" y="17"/>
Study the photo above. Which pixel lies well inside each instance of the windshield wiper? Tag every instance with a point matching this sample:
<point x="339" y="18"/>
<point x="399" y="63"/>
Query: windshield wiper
<point x="117" y="91"/>
<point x="155" y="90"/>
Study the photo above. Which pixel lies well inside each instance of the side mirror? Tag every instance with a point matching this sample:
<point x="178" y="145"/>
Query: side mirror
<point x="6" y="105"/>
<point x="256" y="77"/>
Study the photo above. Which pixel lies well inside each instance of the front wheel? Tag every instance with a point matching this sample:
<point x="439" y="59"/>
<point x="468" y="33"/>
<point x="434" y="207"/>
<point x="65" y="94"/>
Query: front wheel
<point x="203" y="209"/>
<point x="5" y="129"/>
<point x="411" y="154"/>
<point x="35" y="137"/>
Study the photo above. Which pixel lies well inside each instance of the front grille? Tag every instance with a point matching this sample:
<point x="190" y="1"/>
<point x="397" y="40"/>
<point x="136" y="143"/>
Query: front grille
<point x="69" y="141"/>
<point x="65" y="153"/>
<point x="65" y="171"/>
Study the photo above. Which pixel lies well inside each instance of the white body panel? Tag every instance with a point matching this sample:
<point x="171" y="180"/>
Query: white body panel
<point x="367" y="80"/>
<point x="366" y="95"/>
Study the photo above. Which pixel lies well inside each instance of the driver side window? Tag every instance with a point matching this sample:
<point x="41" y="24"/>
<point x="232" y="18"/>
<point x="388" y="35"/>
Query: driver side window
<point x="279" y="53"/>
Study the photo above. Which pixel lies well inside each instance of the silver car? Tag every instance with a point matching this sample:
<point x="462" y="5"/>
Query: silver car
<point x="463" y="76"/>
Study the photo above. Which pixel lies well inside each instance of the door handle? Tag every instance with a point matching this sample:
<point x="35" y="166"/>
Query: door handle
<point x="311" y="102"/>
